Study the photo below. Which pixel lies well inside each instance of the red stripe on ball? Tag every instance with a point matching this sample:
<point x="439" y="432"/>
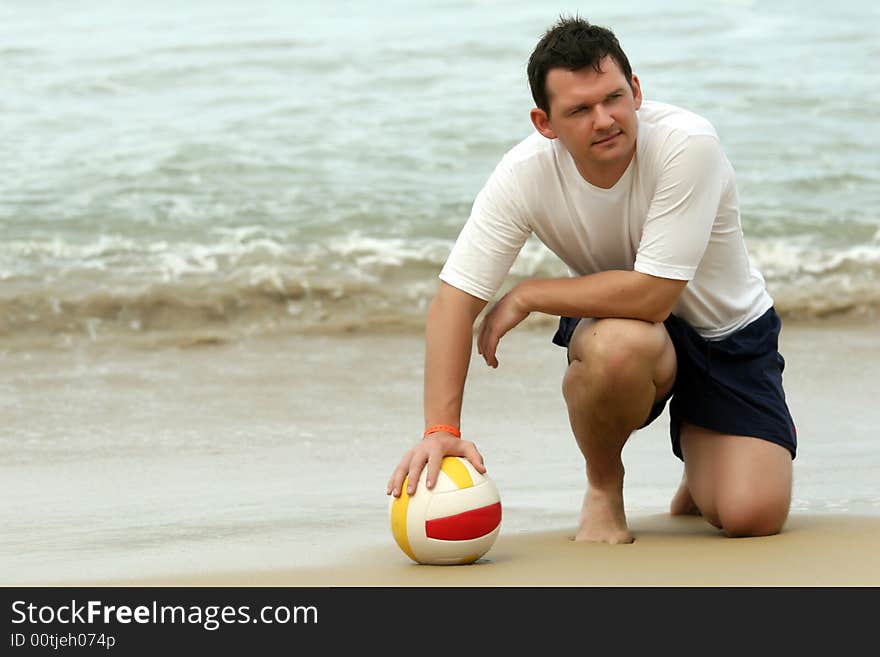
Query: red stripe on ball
<point x="465" y="526"/>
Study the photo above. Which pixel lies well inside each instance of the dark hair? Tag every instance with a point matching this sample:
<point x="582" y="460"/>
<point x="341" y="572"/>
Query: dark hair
<point x="572" y="43"/>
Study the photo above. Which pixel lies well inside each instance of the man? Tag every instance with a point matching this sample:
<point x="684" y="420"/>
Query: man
<point x="639" y="200"/>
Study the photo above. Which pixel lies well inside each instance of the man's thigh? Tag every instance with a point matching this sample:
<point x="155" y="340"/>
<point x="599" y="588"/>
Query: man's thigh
<point x="740" y="483"/>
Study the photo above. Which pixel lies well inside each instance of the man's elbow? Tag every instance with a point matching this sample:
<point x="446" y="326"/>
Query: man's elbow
<point x="659" y="316"/>
<point x="663" y="295"/>
<point x="660" y="309"/>
<point x="655" y="315"/>
<point x="449" y="301"/>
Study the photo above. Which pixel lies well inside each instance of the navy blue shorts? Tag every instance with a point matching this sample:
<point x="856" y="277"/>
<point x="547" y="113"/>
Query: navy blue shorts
<point x="732" y="386"/>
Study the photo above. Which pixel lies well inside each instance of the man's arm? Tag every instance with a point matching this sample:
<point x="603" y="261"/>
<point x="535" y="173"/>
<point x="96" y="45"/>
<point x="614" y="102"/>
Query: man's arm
<point x="623" y="294"/>
<point x="448" y="342"/>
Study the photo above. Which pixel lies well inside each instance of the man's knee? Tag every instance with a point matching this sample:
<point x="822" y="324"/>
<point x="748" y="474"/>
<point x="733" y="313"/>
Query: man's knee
<point x="615" y="349"/>
<point x="742" y="515"/>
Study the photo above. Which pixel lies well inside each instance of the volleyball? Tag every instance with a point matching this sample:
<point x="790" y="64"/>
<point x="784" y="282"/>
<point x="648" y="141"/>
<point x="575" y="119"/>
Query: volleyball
<point x="456" y="522"/>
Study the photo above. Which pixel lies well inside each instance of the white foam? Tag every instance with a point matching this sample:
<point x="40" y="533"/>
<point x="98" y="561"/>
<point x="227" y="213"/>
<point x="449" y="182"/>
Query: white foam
<point x="786" y="259"/>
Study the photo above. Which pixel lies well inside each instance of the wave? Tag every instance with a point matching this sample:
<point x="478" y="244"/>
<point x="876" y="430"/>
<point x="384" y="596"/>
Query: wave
<point x="257" y="281"/>
<point x="811" y="282"/>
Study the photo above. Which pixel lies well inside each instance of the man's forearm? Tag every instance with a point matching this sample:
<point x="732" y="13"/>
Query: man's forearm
<point x="616" y="293"/>
<point x="448" y="343"/>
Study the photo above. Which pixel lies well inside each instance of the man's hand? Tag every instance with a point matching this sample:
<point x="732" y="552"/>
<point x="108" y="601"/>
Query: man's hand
<point x="431" y="451"/>
<point x="504" y="315"/>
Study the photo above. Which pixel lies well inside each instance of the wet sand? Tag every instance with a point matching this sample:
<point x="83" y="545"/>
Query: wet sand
<point x="812" y="550"/>
<point x="265" y="461"/>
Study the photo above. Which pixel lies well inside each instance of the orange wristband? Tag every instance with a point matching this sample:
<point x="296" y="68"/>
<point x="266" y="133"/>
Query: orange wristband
<point x="448" y="428"/>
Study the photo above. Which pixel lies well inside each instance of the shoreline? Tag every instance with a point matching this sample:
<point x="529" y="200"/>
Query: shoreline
<point x="220" y="335"/>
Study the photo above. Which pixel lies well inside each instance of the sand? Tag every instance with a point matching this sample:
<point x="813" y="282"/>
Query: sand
<point x="812" y="550"/>
<point x="264" y="463"/>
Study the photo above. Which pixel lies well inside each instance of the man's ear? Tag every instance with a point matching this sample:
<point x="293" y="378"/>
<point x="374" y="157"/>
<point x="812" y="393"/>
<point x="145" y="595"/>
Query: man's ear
<point x="542" y="123"/>
<point x="637" y="91"/>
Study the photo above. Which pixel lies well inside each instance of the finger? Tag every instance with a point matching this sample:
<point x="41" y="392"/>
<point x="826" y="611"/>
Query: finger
<point x="393" y="486"/>
<point x="396" y="482"/>
<point x="482" y="341"/>
<point x="399" y="475"/>
<point x="415" y="469"/>
<point x="491" y="345"/>
<point x="435" y="460"/>
<point x="477" y="460"/>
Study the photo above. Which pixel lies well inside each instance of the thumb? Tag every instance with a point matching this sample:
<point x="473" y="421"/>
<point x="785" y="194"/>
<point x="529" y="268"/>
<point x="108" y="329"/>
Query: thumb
<point x="471" y="454"/>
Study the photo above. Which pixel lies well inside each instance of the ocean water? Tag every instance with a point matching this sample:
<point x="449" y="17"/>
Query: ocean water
<point x="240" y="168"/>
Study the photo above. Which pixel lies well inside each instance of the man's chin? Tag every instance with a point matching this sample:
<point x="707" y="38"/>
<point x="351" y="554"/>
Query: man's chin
<point x="608" y="155"/>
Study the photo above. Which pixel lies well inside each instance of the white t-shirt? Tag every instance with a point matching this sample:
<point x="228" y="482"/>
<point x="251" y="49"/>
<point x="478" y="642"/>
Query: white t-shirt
<point x="674" y="214"/>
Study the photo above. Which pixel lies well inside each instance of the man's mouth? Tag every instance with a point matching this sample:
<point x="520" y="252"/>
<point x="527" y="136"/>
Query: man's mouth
<point x="608" y="139"/>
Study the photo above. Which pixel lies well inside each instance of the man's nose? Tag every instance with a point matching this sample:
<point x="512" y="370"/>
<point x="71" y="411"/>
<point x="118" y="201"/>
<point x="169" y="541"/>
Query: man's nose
<point x="603" y="119"/>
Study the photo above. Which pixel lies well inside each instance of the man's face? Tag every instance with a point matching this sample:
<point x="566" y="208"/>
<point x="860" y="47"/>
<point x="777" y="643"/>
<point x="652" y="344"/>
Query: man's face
<point x="594" y="116"/>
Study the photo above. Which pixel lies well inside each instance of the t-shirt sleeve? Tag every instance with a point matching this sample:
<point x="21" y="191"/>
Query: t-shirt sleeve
<point x="682" y="212"/>
<point x="491" y="238"/>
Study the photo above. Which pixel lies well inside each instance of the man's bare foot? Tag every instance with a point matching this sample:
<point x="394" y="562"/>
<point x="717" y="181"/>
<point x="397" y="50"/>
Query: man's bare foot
<point x="603" y="519"/>
<point x="682" y="503"/>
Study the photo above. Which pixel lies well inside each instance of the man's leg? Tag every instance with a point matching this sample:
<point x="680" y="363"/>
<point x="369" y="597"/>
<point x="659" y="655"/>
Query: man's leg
<point x="617" y="369"/>
<point x="740" y="484"/>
